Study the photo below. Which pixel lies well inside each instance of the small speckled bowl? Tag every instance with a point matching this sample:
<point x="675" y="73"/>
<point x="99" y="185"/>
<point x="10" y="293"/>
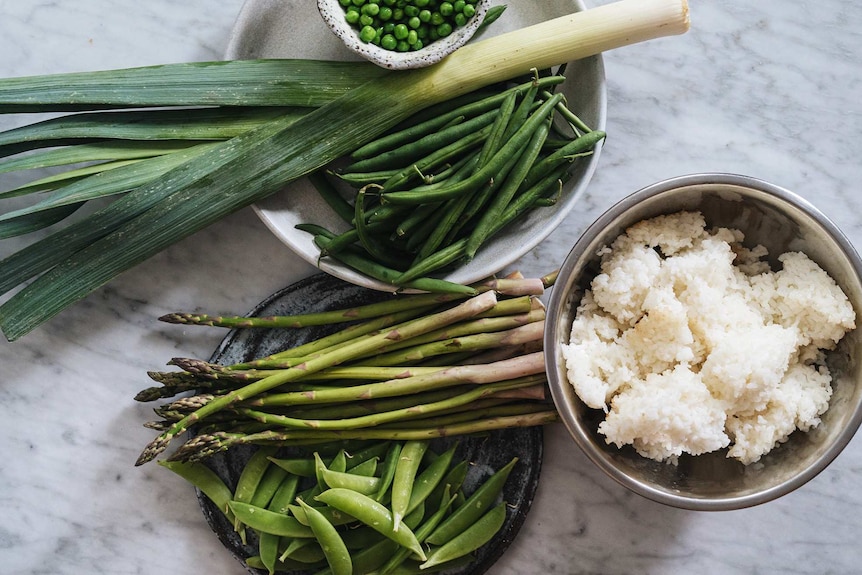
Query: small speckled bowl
<point x="333" y="14"/>
<point x="770" y="216"/>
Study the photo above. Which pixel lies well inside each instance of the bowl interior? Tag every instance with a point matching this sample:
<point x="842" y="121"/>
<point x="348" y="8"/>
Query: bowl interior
<point x="284" y="29"/>
<point x="778" y="220"/>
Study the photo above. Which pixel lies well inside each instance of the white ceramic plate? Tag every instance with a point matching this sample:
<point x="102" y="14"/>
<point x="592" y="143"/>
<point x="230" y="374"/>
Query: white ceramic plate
<point x="294" y="29"/>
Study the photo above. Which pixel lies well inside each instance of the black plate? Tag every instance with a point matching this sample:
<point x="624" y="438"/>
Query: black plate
<point x="487" y="453"/>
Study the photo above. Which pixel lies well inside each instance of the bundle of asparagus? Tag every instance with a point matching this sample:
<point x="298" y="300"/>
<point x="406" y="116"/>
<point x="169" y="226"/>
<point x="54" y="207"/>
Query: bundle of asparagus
<point x="412" y="367"/>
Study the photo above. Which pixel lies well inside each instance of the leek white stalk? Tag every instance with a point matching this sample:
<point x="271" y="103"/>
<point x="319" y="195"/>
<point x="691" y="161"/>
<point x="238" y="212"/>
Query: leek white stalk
<point x="554" y="42"/>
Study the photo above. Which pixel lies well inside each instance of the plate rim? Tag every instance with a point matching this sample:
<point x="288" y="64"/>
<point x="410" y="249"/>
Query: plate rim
<point x="534" y="436"/>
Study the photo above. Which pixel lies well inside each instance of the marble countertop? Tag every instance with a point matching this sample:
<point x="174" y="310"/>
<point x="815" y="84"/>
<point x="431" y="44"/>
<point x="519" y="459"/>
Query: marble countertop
<point x="769" y="89"/>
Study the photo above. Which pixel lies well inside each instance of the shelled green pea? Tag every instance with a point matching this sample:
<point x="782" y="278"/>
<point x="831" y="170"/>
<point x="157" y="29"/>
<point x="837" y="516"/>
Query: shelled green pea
<point x="406" y="25"/>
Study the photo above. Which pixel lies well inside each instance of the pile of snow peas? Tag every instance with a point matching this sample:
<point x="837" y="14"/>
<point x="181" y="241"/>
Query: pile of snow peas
<point x="429" y="194"/>
<point x="385" y="507"/>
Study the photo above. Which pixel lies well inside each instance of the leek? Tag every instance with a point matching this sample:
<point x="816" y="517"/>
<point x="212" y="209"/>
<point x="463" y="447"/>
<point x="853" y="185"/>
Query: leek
<point x="247" y="168"/>
<point x="286" y="82"/>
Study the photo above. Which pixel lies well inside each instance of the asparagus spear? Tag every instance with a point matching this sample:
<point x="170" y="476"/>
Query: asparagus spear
<point x="424" y="324"/>
<point x="203" y="446"/>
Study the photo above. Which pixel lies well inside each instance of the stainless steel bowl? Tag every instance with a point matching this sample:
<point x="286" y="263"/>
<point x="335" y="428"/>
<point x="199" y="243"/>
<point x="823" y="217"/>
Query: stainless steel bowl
<point x="768" y="215"/>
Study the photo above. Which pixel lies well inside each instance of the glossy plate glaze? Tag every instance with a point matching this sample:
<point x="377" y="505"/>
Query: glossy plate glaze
<point x="294" y="29"/>
<point x="487" y="453"/>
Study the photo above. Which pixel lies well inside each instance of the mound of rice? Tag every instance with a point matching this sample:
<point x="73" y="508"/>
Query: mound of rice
<point x="691" y="344"/>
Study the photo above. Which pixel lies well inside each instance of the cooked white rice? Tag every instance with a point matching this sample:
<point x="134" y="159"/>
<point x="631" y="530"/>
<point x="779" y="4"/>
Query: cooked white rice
<point x="690" y="343"/>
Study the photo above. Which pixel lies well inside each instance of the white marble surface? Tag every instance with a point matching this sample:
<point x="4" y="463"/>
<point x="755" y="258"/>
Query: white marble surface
<point x="769" y="89"/>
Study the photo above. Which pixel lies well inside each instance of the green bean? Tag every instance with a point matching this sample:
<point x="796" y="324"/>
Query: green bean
<point x="563" y="155"/>
<point x="416" y="218"/>
<point x="438" y="260"/>
<point x="315" y="230"/>
<point x="337" y="243"/>
<point x="376" y="250"/>
<point x="359" y="179"/>
<point x="520" y="115"/>
<point x="330" y="195"/>
<point x="405" y="473"/>
<point x="267" y="521"/>
<point x="371" y="513"/>
<point x="479" y="199"/>
<point x="334" y="549"/>
<point x="495" y="138"/>
<point x="206" y="481"/>
<point x="388" y="473"/>
<point x="451" y="212"/>
<point x="388" y="275"/>
<point x="437" y="119"/>
<point x="407" y="154"/>
<point x="473" y="508"/>
<point x="436" y="158"/>
<point x="506" y="191"/>
<point x="570" y="117"/>
<point x="473" y="537"/>
<point x="494" y="164"/>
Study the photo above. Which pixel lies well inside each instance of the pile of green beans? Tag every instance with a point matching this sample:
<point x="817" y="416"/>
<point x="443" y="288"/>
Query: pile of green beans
<point x="428" y="195"/>
<point x="402" y="25"/>
<point x="385" y="507"/>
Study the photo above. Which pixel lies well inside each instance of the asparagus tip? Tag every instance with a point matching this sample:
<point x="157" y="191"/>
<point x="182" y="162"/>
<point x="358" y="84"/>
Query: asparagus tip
<point x="153" y="449"/>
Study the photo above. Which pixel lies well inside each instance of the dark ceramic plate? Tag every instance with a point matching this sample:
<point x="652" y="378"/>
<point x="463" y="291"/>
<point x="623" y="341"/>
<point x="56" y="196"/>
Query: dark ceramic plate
<point x="486" y="453"/>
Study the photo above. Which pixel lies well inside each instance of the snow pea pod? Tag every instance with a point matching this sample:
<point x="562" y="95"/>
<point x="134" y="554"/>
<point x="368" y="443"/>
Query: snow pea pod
<point x="388" y="472"/>
<point x="470" y="539"/>
<point x="206" y="480"/>
<point x="267" y="521"/>
<point x="428" y="480"/>
<point x="374" y="553"/>
<point x="473" y="508"/>
<point x="269" y="543"/>
<point x="405" y="473"/>
<point x="359" y="483"/>
<point x="268" y="486"/>
<point x="288" y="565"/>
<point x="422" y="532"/>
<point x="366" y="468"/>
<point x="249" y="479"/>
<point x="334" y="549"/>
<point x="371" y="513"/>
<point x="333" y="515"/>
